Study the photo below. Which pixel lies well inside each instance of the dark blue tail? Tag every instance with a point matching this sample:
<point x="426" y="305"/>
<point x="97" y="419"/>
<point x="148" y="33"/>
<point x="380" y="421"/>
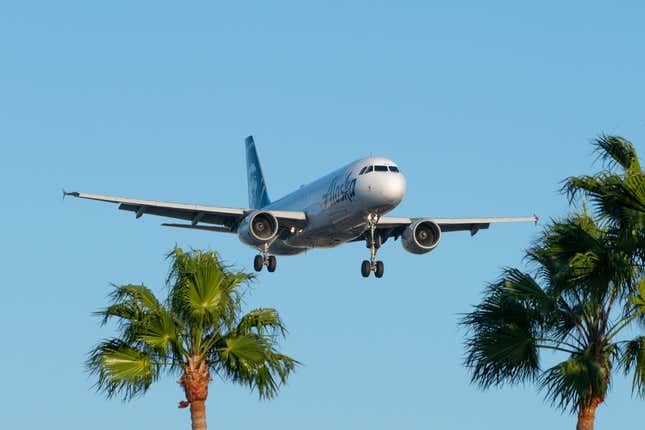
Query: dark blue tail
<point x="258" y="196"/>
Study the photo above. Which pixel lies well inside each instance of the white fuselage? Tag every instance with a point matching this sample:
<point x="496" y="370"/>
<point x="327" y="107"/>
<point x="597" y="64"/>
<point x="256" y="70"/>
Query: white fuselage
<point x="337" y="205"/>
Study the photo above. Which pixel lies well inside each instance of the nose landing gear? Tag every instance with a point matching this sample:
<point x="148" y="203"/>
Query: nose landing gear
<point x="265" y="259"/>
<point x="373" y="243"/>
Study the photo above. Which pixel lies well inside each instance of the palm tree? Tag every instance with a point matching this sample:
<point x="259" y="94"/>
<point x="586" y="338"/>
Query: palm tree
<point x="196" y="332"/>
<point x="578" y="302"/>
<point x="618" y="193"/>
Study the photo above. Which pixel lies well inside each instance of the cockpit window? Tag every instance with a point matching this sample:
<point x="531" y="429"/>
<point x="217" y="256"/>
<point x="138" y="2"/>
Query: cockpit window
<point x="367" y="169"/>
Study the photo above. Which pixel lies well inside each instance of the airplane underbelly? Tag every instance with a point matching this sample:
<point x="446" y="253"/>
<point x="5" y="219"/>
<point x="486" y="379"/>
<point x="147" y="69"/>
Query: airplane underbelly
<point x="329" y="228"/>
<point x="343" y="224"/>
<point x="280" y="247"/>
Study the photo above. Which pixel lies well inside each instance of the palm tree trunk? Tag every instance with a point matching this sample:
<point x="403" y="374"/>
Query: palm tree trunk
<point x="195" y="381"/>
<point x="587" y="415"/>
<point x="198" y="414"/>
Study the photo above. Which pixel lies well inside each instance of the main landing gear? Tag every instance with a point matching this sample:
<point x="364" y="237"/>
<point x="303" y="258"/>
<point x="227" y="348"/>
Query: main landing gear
<point x="265" y="259"/>
<point x="373" y="243"/>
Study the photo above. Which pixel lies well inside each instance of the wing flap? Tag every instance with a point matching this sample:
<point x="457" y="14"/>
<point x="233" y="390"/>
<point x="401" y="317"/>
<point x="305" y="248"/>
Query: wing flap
<point x="194" y="216"/>
<point x="200" y="227"/>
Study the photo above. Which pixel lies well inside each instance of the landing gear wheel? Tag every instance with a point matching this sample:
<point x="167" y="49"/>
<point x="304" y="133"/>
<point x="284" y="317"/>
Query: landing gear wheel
<point x="271" y="263"/>
<point x="380" y="269"/>
<point x="366" y="268"/>
<point x="258" y="262"/>
<point x="373" y="242"/>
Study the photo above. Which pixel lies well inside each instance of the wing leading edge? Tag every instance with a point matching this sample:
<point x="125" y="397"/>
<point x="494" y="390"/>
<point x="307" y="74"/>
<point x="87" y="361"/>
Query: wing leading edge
<point x="227" y="218"/>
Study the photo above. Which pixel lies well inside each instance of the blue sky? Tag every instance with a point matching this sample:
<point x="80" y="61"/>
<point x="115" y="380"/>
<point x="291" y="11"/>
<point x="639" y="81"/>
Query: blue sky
<point x="486" y="108"/>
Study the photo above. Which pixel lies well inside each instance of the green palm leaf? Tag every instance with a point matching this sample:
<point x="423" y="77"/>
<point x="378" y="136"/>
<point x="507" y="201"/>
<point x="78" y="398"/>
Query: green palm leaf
<point x="159" y="332"/>
<point x="121" y="369"/>
<point x="261" y="321"/>
<point x="575" y="382"/>
<point x="633" y="360"/>
<point x="129" y="303"/>
<point x="502" y="346"/>
<point x="618" y="194"/>
<point x="615" y="150"/>
<point x="252" y="361"/>
<point x="204" y="290"/>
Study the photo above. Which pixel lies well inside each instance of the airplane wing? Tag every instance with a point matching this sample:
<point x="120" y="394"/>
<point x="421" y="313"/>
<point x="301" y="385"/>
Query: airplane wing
<point x="394" y="226"/>
<point x="223" y="219"/>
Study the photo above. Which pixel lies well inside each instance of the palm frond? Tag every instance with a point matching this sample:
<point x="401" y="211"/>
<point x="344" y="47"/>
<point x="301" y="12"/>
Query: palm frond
<point x="638" y="301"/>
<point x="243" y="351"/>
<point x="591" y="186"/>
<point x="252" y="361"/>
<point x="618" y="197"/>
<point x="121" y="369"/>
<point x="129" y="303"/>
<point x="616" y="150"/>
<point x="137" y="293"/>
<point x="205" y="294"/>
<point x="261" y="321"/>
<point x="633" y="360"/>
<point x="203" y="289"/>
<point x="577" y="254"/>
<point x="160" y="333"/>
<point x="502" y="346"/>
<point x="560" y="241"/>
<point x="575" y="382"/>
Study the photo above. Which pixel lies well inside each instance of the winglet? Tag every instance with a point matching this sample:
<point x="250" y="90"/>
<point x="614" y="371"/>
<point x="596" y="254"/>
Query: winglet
<point x="537" y="218"/>
<point x="73" y="194"/>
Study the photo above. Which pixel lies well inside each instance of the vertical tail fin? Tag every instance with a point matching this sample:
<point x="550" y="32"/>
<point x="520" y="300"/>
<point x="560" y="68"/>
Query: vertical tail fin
<point x="258" y="196"/>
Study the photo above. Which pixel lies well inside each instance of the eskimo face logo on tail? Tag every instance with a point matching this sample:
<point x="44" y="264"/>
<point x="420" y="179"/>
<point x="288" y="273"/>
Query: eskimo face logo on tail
<point x="256" y="186"/>
<point x="339" y="191"/>
<point x="253" y="181"/>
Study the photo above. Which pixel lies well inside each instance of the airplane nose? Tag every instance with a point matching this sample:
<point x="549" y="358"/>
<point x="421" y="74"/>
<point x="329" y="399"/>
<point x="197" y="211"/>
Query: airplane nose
<point x="378" y="190"/>
<point x="393" y="189"/>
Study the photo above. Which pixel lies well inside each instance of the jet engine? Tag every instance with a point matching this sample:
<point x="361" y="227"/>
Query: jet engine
<point x="258" y="228"/>
<point x="421" y="236"/>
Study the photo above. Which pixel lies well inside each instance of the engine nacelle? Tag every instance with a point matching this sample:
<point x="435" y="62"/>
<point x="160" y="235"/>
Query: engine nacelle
<point x="258" y="228"/>
<point x="421" y="236"/>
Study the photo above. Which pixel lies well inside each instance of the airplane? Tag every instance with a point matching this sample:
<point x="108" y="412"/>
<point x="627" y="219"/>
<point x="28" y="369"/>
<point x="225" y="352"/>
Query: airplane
<point x="347" y="205"/>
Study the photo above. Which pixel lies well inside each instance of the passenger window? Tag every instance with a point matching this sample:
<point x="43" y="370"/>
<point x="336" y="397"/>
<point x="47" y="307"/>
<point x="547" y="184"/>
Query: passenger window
<point x="380" y="168"/>
<point x="394" y="169"/>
